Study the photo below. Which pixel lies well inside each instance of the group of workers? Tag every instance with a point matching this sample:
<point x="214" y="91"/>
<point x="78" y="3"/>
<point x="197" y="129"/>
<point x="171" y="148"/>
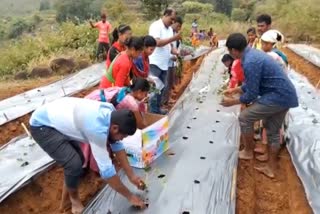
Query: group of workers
<point x="258" y="73"/>
<point x="79" y="133"/>
<point x="83" y="133"/>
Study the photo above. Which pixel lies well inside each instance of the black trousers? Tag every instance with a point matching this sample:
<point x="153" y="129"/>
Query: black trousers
<point x="103" y="48"/>
<point x="66" y="152"/>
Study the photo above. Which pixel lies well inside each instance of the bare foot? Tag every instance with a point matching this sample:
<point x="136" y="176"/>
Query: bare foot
<point x="260" y="148"/>
<point x="266" y="170"/>
<point x="263" y="157"/>
<point x="65" y="206"/>
<point x="245" y="155"/>
<point x="77" y="208"/>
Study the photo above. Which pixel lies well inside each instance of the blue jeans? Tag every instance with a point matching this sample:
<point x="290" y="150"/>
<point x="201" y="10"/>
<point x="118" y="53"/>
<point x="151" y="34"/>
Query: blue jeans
<point x="155" y="101"/>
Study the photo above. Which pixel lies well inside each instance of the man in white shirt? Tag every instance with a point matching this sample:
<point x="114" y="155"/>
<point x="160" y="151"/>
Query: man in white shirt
<point x="159" y="60"/>
<point x="59" y="126"/>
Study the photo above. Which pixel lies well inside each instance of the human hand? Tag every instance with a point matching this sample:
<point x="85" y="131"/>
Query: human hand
<point x="177" y="37"/>
<point x="138" y="182"/>
<point x="230" y="92"/>
<point x="227" y="102"/>
<point x="137" y="201"/>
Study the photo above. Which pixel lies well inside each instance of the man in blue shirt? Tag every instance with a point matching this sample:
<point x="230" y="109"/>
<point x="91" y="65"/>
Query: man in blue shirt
<point x="270" y="93"/>
<point x="59" y="126"/>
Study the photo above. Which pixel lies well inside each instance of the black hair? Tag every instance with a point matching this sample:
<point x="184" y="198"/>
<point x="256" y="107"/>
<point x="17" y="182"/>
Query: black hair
<point x="168" y="12"/>
<point x="179" y="20"/>
<point x="237" y="41"/>
<point x="226" y="58"/>
<point x="264" y="18"/>
<point x="135" y="42"/>
<point x="251" y="30"/>
<point x="140" y="84"/>
<point x="119" y="30"/>
<point x="149" y="41"/>
<point x="103" y="16"/>
<point x="126" y="121"/>
<point x="279" y="37"/>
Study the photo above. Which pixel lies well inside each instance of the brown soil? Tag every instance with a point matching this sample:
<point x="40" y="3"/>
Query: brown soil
<point x="11" y="88"/>
<point x="258" y="194"/>
<point x="43" y="194"/>
<point x="304" y="67"/>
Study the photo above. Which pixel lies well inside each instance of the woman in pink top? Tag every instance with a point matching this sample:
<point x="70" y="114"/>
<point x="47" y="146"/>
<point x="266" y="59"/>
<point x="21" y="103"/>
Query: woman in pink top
<point x="122" y="98"/>
<point x="104" y="28"/>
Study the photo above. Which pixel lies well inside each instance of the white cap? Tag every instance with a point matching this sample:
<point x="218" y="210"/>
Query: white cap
<point x="272" y="36"/>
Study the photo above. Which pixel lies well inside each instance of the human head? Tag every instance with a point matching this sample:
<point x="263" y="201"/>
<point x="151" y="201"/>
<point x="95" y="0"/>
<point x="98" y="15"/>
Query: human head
<point x="177" y="25"/>
<point x="227" y="60"/>
<point x="103" y="17"/>
<point x="236" y="43"/>
<point x="270" y="38"/>
<point x="150" y="45"/>
<point x="122" y="33"/>
<point x="211" y="29"/>
<point x="123" y="124"/>
<point x="169" y="17"/>
<point x="264" y="22"/>
<point x="140" y="88"/>
<point x="252" y="35"/>
<point x="135" y="46"/>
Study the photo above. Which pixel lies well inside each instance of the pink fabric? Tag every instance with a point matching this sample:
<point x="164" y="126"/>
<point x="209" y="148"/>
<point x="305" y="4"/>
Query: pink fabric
<point x="129" y="102"/>
<point x="104" y="30"/>
<point x="237" y="75"/>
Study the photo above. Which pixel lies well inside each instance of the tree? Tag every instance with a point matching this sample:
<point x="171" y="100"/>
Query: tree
<point x="118" y="10"/>
<point x="196" y="7"/>
<point x="44" y="5"/>
<point x="153" y="8"/>
<point x="223" y="6"/>
<point x="75" y="10"/>
<point x="239" y="15"/>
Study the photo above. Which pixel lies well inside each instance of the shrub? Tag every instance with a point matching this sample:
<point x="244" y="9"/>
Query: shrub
<point x="239" y="15"/>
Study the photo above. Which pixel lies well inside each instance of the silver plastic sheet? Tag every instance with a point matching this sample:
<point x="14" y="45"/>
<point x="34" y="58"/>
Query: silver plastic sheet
<point x="304" y="138"/>
<point x="197" y="174"/>
<point x="27" y="102"/>
<point x="308" y="52"/>
<point x="20" y="160"/>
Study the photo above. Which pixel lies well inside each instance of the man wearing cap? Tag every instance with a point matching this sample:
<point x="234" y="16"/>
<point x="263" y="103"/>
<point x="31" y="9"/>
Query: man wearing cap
<point x="59" y="126"/>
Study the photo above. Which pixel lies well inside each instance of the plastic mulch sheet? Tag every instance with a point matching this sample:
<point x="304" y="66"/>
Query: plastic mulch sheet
<point x="27" y="102"/>
<point x="308" y="52"/>
<point x="20" y="160"/>
<point x="22" y="157"/>
<point x="198" y="173"/>
<point x="304" y="138"/>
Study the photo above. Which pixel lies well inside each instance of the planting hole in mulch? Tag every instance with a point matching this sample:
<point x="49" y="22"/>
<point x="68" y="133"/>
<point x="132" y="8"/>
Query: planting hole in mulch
<point x="196" y="182"/>
<point x="188" y="127"/>
<point x="194" y="118"/>
<point x="161" y="176"/>
<point x="211" y="142"/>
<point x="202" y="158"/>
<point x="214" y="131"/>
<point x="171" y="153"/>
<point x="185" y="138"/>
<point x="217" y="121"/>
<point x="218" y="110"/>
<point x="197" y="108"/>
<point x="185" y="212"/>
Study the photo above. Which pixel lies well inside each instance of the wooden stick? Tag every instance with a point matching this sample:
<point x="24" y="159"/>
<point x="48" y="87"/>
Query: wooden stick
<point x="26" y="130"/>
